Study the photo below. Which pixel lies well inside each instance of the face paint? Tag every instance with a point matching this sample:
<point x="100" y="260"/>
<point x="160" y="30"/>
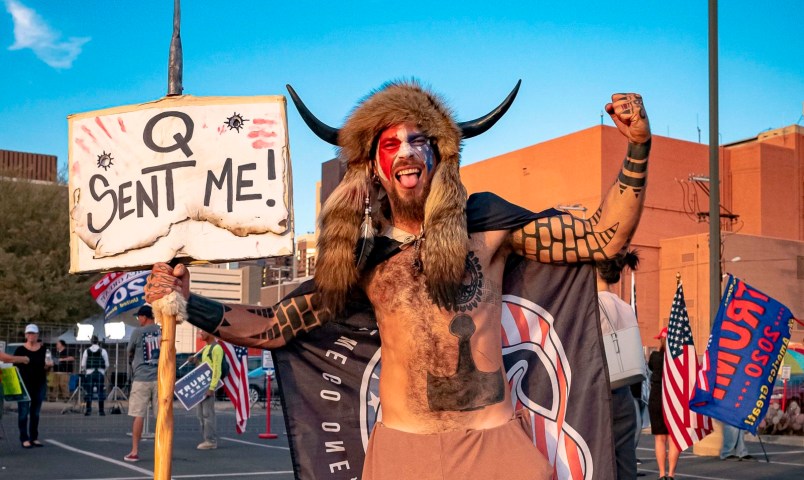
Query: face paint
<point x="403" y="143"/>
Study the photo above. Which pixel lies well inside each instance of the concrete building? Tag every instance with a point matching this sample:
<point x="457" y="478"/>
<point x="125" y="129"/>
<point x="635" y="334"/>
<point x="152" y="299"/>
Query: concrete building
<point x="762" y="211"/>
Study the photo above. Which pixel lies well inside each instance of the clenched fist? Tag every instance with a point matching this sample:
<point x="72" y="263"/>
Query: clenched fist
<point x="165" y="279"/>
<point x="628" y="113"/>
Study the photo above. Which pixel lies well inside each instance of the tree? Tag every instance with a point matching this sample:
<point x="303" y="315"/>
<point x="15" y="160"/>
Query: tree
<point x="35" y="286"/>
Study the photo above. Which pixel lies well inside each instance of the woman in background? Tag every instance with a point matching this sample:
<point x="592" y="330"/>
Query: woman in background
<point x="657" y="426"/>
<point x="34" y="375"/>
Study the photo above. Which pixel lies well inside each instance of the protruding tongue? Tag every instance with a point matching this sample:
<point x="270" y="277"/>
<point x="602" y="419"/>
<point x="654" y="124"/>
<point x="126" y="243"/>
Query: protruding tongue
<point x="409" y="181"/>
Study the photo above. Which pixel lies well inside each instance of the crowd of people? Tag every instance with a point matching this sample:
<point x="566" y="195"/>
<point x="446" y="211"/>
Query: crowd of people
<point x="47" y="377"/>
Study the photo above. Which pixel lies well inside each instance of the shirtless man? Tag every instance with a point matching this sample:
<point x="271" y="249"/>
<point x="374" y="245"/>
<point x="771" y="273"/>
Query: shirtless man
<point x="446" y="404"/>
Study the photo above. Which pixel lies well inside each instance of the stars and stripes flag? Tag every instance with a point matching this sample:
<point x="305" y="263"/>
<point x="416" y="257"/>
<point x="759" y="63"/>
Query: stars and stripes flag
<point x="236" y="383"/>
<point x="678" y="379"/>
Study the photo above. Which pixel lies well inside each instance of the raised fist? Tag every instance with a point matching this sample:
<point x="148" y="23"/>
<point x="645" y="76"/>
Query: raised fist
<point x="628" y="113"/>
<point x="165" y="279"/>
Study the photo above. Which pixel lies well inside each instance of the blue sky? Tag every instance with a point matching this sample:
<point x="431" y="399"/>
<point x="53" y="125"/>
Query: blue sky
<point x="58" y="58"/>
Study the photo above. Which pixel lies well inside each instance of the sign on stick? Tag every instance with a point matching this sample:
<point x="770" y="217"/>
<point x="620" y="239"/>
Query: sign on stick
<point x="200" y="177"/>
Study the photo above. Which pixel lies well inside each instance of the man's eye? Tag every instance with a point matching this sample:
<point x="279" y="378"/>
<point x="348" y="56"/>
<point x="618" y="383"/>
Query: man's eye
<point x="390" y="145"/>
<point x="418" y="142"/>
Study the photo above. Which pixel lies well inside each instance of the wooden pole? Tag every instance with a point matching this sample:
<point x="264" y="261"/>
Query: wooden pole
<point x="166" y="311"/>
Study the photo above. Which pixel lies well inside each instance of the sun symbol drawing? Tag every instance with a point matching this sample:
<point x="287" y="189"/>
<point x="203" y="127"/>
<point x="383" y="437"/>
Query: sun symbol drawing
<point x="235" y="122"/>
<point x="105" y="160"/>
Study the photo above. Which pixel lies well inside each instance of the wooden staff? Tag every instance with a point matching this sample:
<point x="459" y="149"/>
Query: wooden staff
<point x="168" y="311"/>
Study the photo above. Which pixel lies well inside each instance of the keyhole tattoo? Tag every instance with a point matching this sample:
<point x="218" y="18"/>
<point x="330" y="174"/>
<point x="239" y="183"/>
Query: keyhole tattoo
<point x="469" y="388"/>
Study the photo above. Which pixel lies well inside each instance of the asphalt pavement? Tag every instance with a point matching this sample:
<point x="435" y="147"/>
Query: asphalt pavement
<point x="92" y="448"/>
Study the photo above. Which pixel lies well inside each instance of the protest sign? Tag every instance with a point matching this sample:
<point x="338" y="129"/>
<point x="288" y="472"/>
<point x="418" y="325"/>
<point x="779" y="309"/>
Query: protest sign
<point x="199" y="177"/>
<point x="746" y="347"/>
<point x="191" y="388"/>
<point x="13" y="387"/>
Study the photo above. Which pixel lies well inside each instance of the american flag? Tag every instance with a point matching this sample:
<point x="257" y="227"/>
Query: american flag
<point x="678" y="379"/>
<point x="236" y="383"/>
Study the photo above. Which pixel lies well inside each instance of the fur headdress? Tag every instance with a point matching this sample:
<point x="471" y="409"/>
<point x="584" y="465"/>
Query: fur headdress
<point x="445" y="238"/>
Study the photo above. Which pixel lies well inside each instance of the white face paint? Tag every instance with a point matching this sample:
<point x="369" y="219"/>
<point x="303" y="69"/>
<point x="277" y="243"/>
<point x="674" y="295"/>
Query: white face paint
<point x="404" y="155"/>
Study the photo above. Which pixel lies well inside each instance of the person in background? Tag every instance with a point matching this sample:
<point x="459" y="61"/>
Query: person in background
<point x="143" y="354"/>
<point x="657" y="426"/>
<point x="211" y="354"/>
<point x="63" y="367"/>
<point x="94" y="363"/>
<point x="733" y="444"/>
<point x="34" y="375"/>
<point x="616" y="315"/>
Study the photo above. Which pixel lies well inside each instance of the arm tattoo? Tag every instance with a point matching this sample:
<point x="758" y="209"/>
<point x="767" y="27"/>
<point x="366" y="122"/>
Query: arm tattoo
<point x="562" y="239"/>
<point x="252" y="326"/>
<point x="635" y="167"/>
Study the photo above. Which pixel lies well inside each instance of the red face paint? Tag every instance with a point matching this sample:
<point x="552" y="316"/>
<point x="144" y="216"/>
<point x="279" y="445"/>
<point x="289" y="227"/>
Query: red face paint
<point x="400" y="142"/>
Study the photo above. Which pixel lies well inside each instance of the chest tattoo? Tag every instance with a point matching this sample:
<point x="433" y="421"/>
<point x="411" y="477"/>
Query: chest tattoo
<point x="471" y="291"/>
<point x="469" y="388"/>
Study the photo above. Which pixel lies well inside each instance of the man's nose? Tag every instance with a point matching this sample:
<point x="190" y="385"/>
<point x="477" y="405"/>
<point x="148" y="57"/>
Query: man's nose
<point x="405" y="150"/>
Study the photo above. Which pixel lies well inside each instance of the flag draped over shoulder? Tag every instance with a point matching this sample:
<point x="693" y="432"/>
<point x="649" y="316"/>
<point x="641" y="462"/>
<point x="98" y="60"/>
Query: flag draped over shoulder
<point x="746" y="348"/>
<point x="678" y="379"/>
<point x="236" y="383"/>
<point x="118" y="292"/>
<point x="552" y="352"/>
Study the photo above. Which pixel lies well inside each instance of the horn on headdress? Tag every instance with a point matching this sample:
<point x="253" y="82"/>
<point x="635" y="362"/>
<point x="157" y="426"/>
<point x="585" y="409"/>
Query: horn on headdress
<point x="469" y="129"/>
<point x="477" y="126"/>
<point x="324" y="131"/>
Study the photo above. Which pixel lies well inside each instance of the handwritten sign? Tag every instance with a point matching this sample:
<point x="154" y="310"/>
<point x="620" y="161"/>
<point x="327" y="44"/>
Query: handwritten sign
<point x="191" y="388"/>
<point x="200" y="177"/>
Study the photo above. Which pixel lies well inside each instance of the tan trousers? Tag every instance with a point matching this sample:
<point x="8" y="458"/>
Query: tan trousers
<point x="500" y="453"/>
<point x="58" y="386"/>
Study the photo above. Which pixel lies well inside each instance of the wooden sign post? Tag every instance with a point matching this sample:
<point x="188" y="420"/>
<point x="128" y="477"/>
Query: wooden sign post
<point x="163" y="438"/>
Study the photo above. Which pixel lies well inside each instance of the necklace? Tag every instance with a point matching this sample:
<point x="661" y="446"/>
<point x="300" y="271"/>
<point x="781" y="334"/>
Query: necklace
<point x="405" y="239"/>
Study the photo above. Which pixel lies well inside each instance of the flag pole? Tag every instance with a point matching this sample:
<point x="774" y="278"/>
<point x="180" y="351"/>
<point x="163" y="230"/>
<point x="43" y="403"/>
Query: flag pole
<point x="168" y="308"/>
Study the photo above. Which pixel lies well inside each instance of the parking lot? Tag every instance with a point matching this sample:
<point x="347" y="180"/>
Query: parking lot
<point x="92" y="448"/>
<point x="80" y="447"/>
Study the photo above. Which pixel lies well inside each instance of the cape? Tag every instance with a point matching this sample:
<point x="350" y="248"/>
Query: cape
<point x="552" y="351"/>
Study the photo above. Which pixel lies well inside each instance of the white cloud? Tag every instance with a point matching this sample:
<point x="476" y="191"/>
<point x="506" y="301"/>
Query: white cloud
<point x="31" y="31"/>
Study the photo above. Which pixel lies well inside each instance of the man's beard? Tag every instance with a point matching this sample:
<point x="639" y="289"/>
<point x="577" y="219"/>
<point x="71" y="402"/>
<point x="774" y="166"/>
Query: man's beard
<point x="409" y="209"/>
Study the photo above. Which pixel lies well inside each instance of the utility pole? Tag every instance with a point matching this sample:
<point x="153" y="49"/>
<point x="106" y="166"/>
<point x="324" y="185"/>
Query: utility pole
<point x="279" y="271"/>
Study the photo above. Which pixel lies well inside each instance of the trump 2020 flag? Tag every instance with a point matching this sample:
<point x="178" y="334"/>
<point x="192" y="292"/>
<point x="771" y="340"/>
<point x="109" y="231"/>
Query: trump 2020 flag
<point x="678" y="379"/>
<point x="236" y="383"/>
<point x="118" y="292"/>
<point x="746" y="348"/>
